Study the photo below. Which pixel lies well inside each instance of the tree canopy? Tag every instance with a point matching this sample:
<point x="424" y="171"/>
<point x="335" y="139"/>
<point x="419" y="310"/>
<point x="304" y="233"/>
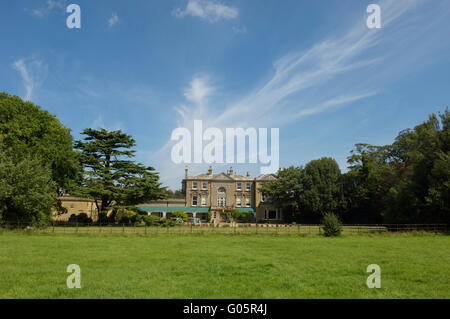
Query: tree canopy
<point x="27" y="191"/>
<point x="407" y="181"/>
<point x="27" y="130"/>
<point x="110" y="175"/>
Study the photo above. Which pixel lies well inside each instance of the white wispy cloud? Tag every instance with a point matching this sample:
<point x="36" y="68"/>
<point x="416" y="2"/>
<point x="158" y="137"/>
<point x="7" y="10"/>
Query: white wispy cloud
<point x="334" y="72"/>
<point x="113" y="20"/>
<point x="239" y="30"/>
<point x="33" y="72"/>
<point x="209" y="10"/>
<point x="98" y="123"/>
<point x="49" y="6"/>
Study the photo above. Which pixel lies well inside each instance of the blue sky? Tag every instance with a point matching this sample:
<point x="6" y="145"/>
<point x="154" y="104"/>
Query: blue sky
<point x="310" y="68"/>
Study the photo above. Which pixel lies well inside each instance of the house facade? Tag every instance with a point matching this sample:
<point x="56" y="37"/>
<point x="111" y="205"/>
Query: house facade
<point x="75" y="206"/>
<point x="215" y="194"/>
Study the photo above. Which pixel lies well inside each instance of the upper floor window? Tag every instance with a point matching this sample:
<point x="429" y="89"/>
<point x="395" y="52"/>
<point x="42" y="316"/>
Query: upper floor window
<point x="221" y="202"/>
<point x="221" y="190"/>
<point x="194" y="185"/>
<point x="248" y="186"/>
<point x="203" y="200"/>
<point x="204" y="185"/>
<point x="238" y="202"/>
<point x="247" y="202"/>
<point x="194" y="200"/>
<point x="239" y="186"/>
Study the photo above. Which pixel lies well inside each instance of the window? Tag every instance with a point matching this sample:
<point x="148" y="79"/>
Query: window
<point x="221" y="190"/>
<point x="272" y="214"/>
<point x="194" y="185"/>
<point x="221" y="202"/>
<point x="263" y="197"/>
<point x="247" y="202"/>
<point x="239" y="186"/>
<point x="203" y="200"/>
<point x="194" y="200"/>
<point x="238" y="202"/>
<point x="248" y="187"/>
<point x="204" y="185"/>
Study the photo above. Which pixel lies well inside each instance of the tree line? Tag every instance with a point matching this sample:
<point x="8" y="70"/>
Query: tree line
<point x="407" y="181"/>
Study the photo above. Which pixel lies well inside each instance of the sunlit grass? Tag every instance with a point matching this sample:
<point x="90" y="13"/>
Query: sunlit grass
<point x="223" y="266"/>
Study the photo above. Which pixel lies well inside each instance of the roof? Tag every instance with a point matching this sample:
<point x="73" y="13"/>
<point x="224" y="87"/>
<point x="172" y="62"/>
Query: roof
<point x="225" y="177"/>
<point x="75" y="199"/>
<point x="165" y="202"/>
<point x="170" y="209"/>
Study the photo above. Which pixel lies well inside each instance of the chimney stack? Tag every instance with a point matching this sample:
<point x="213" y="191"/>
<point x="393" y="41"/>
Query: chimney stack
<point x="231" y="170"/>
<point x="210" y="170"/>
<point x="248" y="174"/>
<point x="186" y="172"/>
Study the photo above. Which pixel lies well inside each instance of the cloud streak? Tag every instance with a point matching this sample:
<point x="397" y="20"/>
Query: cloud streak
<point x="50" y="5"/>
<point x="33" y="72"/>
<point x="209" y="10"/>
<point x="334" y="72"/>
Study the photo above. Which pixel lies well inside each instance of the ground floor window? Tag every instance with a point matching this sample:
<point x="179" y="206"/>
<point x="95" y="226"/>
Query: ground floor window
<point x="270" y="214"/>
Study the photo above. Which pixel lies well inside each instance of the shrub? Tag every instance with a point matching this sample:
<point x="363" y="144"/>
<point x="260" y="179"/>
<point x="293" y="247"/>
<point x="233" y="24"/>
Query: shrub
<point x="83" y="218"/>
<point x="105" y="219"/>
<point x="168" y="222"/>
<point x="124" y="216"/>
<point x="151" y="220"/>
<point x="180" y="216"/>
<point x="331" y="225"/>
<point x="245" y="217"/>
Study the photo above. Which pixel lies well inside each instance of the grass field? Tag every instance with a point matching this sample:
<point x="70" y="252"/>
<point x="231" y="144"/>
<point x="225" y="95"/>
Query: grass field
<point x="223" y="266"/>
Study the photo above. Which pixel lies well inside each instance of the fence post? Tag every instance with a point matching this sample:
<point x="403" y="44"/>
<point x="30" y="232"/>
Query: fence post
<point x="53" y="227"/>
<point x="298" y="228"/>
<point x="145" y="229"/>
<point x="191" y="227"/>
<point x="77" y="227"/>
<point x="123" y="227"/>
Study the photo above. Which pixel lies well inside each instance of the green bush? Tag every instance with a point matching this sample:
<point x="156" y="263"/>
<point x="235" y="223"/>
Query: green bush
<point x="168" y="222"/>
<point x="331" y="225"/>
<point x="151" y="220"/>
<point x="83" y="218"/>
<point x="125" y="216"/>
<point x="245" y="217"/>
<point x="180" y="215"/>
<point x="103" y="217"/>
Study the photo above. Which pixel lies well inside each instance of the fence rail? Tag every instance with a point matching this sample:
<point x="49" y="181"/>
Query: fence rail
<point x="204" y="228"/>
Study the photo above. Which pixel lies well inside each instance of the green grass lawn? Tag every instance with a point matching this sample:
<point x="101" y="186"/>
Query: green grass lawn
<point x="223" y="266"/>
